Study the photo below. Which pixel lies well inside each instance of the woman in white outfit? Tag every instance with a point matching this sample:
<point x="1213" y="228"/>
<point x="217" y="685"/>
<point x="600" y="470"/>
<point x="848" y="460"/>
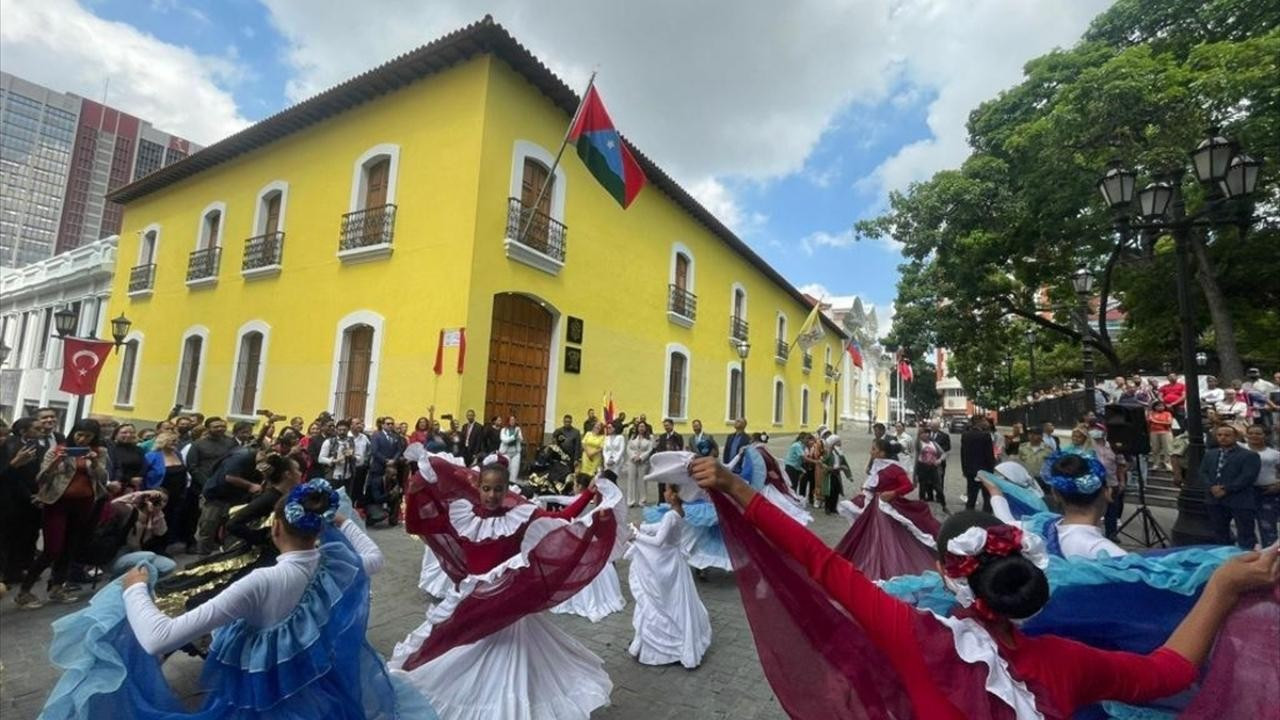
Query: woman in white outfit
<point x="603" y="596"/>
<point x="511" y="442"/>
<point x="615" y="447"/>
<point x="670" y="621"/>
<point x="639" y="447"/>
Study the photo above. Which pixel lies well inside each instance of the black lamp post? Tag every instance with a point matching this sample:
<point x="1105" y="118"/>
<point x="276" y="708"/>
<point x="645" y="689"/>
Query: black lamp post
<point x="1227" y="175"/>
<point x="64" y="323"/>
<point x="1031" y="358"/>
<point x="743" y="348"/>
<point x="1082" y="281"/>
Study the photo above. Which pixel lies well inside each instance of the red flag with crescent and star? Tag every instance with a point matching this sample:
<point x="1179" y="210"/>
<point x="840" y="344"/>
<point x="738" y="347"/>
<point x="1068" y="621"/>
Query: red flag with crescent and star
<point x="81" y="362"/>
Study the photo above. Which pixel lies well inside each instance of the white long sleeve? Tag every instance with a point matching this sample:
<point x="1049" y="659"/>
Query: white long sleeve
<point x="324" y="457"/>
<point x="660" y="532"/>
<point x="1000" y="508"/>
<point x="263" y="597"/>
<point x="370" y="553"/>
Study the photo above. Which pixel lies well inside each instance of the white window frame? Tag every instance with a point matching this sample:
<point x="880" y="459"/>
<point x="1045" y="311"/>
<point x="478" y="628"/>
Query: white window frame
<point x="666" y="381"/>
<point x="129" y="402"/>
<point x="378" y="323"/>
<point x="359" y="178"/>
<point x="730" y="368"/>
<point x="203" y="333"/>
<point x="142" y="243"/>
<point x="781" y="331"/>
<point x="804" y="405"/>
<point x="245" y="329"/>
<point x="202" y="224"/>
<point x="779" y="401"/>
<point x="521" y="150"/>
<point x="260" y="217"/>
<point x="677" y="249"/>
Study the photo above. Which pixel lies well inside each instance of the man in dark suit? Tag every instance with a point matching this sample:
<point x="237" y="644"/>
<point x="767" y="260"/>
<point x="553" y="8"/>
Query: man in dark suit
<point x="568" y="439"/>
<point x="735" y="442"/>
<point x="1228" y="472"/>
<point x="668" y="440"/>
<point x="977" y="453"/>
<point x="384" y="447"/>
<point x="492" y="438"/>
<point x="937" y="436"/>
<point x="472" y="434"/>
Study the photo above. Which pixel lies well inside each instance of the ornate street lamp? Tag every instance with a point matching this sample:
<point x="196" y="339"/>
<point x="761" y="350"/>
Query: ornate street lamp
<point x="120" y="330"/>
<point x="744" y="349"/>
<point x="64" y="321"/>
<point x="1082" y="281"/>
<point x="1031" y="357"/>
<point x="1227" y="175"/>
<point x="1117" y="186"/>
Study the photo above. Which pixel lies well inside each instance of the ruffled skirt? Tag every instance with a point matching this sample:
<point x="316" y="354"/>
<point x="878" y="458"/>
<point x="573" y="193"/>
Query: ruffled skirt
<point x="596" y="601"/>
<point x="530" y="670"/>
<point x="433" y="580"/>
<point x="671" y="624"/>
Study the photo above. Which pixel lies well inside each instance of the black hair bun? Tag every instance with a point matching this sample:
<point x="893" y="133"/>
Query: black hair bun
<point x="1011" y="586"/>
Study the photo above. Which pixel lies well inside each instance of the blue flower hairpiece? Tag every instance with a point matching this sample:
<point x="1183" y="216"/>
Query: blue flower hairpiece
<point x="1086" y="484"/>
<point x="299" y="517"/>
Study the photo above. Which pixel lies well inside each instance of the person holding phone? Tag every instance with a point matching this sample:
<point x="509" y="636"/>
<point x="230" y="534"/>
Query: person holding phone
<point x="72" y="480"/>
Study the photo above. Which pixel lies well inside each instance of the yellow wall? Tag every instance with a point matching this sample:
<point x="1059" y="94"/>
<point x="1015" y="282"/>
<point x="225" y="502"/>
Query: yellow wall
<point x="456" y="132"/>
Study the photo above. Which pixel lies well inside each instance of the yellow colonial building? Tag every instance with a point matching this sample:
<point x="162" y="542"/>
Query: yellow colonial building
<point x="376" y="249"/>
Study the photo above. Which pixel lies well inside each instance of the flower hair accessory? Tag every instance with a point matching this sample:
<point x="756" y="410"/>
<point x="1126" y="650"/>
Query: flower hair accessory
<point x="966" y="551"/>
<point x="299" y="517"/>
<point x="1086" y="484"/>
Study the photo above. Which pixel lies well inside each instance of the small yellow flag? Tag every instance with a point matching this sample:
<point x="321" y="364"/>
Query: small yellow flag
<point x="811" y="331"/>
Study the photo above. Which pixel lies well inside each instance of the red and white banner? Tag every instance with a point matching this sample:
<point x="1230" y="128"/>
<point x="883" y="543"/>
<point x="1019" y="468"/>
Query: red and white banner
<point x="81" y="362"/>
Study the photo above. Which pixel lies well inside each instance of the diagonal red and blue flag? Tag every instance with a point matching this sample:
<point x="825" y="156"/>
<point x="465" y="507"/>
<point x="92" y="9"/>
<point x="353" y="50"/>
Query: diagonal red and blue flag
<point x="605" y="154"/>
<point x="855" y="353"/>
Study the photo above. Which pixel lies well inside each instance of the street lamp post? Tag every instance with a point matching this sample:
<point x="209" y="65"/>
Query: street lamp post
<point x="743" y="348"/>
<point x="1083" y="283"/>
<point x="835" y="375"/>
<point x="1031" y="359"/>
<point x="1228" y="175"/>
<point x="64" y="324"/>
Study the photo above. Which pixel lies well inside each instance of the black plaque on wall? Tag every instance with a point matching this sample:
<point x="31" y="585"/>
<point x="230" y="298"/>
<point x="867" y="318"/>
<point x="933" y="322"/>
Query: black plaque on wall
<point x="573" y="360"/>
<point x="574" y="330"/>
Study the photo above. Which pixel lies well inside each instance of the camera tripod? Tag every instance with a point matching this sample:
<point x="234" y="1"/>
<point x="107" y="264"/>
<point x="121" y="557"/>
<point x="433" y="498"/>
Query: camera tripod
<point x="1152" y="533"/>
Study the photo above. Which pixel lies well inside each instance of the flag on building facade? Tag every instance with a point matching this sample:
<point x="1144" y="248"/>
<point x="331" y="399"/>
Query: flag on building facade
<point x="81" y="362"/>
<point x="811" y="331"/>
<point x="603" y="151"/>
<point x="607" y="403"/>
<point x="904" y="366"/>
<point x="855" y="353"/>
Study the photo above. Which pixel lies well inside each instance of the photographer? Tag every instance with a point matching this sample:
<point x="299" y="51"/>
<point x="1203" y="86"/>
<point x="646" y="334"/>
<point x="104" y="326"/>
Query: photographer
<point x="337" y="455"/>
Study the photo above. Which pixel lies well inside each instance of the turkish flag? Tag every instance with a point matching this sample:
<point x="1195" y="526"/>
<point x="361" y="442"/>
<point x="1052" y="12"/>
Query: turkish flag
<point x="81" y="363"/>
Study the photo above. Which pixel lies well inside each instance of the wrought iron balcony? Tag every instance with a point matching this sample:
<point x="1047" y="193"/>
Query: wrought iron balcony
<point x="737" y="328"/>
<point x="263" y="251"/>
<point x="830" y="370"/>
<point x="808" y="362"/>
<point x="536" y="230"/>
<point x="682" y="302"/>
<point x="367" y="228"/>
<point x="784" y="350"/>
<point x="203" y="264"/>
<point x="142" y="278"/>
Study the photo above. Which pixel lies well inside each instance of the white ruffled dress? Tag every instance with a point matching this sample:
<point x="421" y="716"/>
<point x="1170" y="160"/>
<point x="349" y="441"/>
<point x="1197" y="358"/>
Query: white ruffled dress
<point x="671" y="623"/>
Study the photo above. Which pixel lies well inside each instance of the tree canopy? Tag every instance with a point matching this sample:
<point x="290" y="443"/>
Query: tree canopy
<point x="990" y="247"/>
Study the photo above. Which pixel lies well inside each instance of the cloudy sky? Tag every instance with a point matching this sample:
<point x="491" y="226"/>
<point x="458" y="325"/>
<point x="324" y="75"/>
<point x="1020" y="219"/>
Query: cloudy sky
<point x="789" y="120"/>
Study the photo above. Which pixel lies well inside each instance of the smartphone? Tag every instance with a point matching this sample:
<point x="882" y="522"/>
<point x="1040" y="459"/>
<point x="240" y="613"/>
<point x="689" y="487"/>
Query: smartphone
<point x="78" y="451"/>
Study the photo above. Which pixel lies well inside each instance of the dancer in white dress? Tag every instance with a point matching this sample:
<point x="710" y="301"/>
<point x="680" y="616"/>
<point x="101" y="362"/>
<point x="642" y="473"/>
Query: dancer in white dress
<point x="603" y="597"/>
<point x="433" y="580"/>
<point x="527" y="669"/>
<point x="670" y="621"/>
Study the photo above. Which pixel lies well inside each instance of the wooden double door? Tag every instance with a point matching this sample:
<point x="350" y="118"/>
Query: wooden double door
<point x="519" y="365"/>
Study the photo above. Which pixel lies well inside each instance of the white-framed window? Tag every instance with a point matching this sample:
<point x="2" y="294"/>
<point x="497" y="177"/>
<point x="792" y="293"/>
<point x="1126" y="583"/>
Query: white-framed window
<point x="682" y="300"/>
<point x="149" y="244"/>
<point x="782" y="348"/>
<point x="804" y="405"/>
<point x="530" y="163"/>
<point x="191" y="363"/>
<point x="357" y="354"/>
<point x="250" y="369"/>
<point x="212" y="226"/>
<point x="733" y="391"/>
<point x="779" y="398"/>
<point x="675" y="403"/>
<point x="373" y="177"/>
<point x="270" y="208"/>
<point x="130" y="363"/>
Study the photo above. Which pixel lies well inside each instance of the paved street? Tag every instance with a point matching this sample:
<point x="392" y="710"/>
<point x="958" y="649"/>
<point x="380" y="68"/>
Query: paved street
<point x="729" y="684"/>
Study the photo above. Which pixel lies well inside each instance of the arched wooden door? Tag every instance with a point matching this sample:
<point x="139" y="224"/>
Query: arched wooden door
<point x="519" y="358"/>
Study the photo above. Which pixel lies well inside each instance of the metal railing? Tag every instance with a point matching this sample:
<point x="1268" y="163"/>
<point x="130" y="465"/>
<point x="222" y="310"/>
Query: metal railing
<point x="541" y="232"/>
<point x="784" y="350"/>
<point x="142" y="277"/>
<point x="203" y="264"/>
<point x="682" y="302"/>
<point x="807" y="362"/>
<point x="367" y="227"/>
<point x="263" y="251"/>
<point x="737" y="328"/>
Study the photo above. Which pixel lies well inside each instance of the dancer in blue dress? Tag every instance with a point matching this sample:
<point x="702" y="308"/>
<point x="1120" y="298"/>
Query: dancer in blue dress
<point x="289" y="639"/>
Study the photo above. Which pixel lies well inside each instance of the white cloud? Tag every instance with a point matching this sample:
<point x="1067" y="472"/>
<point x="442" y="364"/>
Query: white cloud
<point x="822" y="239"/>
<point x="721" y="202"/>
<point x="60" y="44"/>
<point x="726" y="89"/>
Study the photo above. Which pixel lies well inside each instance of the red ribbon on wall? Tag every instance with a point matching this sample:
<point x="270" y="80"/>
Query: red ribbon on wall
<point x="462" y="348"/>
<point x="439" y="366"/>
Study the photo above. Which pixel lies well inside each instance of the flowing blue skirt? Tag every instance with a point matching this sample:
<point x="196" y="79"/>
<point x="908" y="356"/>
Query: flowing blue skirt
<point x="314" y="664"/>
<point x="707" y="548"/>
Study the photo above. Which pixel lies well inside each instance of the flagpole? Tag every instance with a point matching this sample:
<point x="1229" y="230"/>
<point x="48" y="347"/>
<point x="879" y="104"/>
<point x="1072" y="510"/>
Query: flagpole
<point x="551" y="174"/>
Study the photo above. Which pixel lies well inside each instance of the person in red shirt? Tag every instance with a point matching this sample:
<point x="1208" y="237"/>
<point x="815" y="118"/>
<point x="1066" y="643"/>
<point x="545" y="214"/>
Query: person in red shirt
<point x="1006" y="587"/>
<point x="1174" y="395"/>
